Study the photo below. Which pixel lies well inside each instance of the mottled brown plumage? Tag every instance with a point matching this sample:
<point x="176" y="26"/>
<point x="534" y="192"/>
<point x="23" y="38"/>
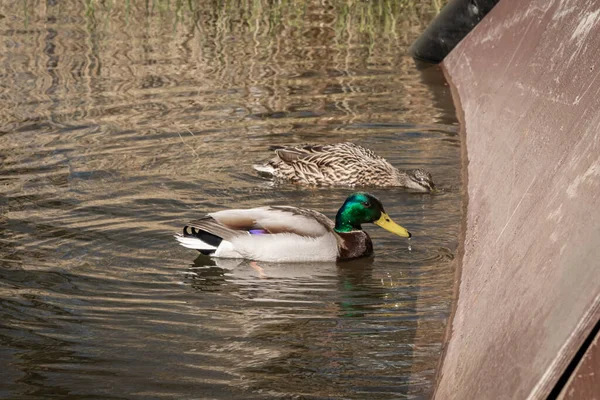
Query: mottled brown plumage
<point x="340" y="164"/>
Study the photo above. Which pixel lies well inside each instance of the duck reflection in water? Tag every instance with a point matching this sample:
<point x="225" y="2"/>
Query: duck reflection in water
<point x="214" y="274"/>
<point x="296" y="313"/>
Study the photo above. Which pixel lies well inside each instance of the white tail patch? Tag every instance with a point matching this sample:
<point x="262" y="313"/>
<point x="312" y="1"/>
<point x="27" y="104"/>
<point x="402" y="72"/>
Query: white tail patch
<point x="265" y="170"/>
<point x="225" y="249"/>
<point x="193" y="243"/>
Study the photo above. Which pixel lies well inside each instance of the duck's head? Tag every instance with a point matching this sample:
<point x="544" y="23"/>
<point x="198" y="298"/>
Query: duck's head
<point x="362" y="208"/>
<point x="419" y="179"/>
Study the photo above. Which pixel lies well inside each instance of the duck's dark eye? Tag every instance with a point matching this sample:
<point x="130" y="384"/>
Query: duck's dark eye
<point x="366" y="204"/>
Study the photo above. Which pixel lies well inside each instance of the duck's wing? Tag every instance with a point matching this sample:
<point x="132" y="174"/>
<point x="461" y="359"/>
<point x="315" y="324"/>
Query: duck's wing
<point x="228" y="224"/>
<point x="214" y="227"/>
<point x="290" y="154"/>
<point x="325" y="155"/>
<point x="302" y="221"/>
<point x="293" y="154"/>
<point x="286" y="157"/>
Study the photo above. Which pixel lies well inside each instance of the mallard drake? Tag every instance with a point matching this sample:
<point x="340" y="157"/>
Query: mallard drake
<point x="344" y="164"/>
<point x="288" y="234"/>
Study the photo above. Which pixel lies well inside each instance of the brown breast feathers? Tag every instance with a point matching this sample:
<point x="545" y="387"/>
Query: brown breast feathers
<point x="354" y="245"/>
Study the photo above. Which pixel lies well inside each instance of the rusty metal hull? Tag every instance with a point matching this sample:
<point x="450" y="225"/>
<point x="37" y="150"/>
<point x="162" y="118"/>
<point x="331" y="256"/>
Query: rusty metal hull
<point x="583" y="382"/>
<point x="526" y="82"/>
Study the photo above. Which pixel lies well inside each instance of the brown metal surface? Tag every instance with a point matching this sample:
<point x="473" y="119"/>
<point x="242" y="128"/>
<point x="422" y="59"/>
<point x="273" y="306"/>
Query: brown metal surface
<point x="527" y="81"/>
<point x="585" y="380"/>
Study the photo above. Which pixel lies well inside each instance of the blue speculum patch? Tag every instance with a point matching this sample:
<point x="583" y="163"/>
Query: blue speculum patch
<point x="257" y="231"/>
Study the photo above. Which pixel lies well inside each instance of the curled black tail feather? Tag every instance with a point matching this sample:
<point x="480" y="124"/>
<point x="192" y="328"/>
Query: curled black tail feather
<point x="206" y="237"/>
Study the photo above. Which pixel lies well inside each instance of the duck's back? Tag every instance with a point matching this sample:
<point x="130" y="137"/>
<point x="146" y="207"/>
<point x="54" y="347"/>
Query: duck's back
<point x="335" y="164"/>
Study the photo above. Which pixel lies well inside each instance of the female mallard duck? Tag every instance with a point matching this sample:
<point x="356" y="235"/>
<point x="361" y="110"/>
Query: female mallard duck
<point x="345" y="164"/>
<point x="280" y="233"/>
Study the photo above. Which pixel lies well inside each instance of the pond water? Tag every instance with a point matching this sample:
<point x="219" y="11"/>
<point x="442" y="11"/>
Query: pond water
<point x="120" y="122"/>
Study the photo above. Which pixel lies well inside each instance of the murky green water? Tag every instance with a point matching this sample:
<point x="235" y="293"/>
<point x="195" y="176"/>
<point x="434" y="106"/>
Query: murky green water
<point x="120" y="122"/>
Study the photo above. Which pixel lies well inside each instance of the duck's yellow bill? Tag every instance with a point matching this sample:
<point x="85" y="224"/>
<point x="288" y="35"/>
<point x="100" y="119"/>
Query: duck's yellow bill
<point x="386" y="223"/>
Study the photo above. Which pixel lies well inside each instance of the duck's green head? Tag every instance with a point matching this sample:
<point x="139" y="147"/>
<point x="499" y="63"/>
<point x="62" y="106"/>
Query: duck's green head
<point x="362" y="208"/>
